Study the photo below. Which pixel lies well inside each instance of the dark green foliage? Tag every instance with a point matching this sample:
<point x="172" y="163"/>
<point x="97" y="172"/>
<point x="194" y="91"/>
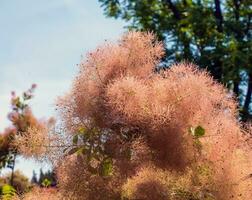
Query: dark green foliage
<point x="214" y="34"/>
<point x="46" y="183"/>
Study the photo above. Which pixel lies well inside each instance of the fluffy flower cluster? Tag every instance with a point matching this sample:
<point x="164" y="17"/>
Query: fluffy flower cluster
<point x="41" y="194"/>
<point x="35" y="141"/>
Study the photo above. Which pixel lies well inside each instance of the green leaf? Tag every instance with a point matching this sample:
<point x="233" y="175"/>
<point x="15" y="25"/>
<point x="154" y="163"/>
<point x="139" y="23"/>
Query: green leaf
<point x="75" y="139"/>
<point x="82" y="130"/>
<point x="199" y="131"/>
<point x="81" y="150"/>
<point x="106" y="167"/>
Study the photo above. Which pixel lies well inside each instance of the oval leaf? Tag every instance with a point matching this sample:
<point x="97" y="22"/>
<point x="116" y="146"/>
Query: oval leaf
<point x="75" y="139"/>
<point x="199" y="131"/>
<point x="106" y="167"/>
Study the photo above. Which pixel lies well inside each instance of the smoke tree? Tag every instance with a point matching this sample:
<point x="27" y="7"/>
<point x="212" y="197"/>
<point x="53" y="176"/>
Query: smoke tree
<point x="130" y="132"/>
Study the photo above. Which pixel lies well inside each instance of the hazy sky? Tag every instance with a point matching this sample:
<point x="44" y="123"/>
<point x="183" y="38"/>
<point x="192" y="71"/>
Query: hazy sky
<point x="41" y="42"/>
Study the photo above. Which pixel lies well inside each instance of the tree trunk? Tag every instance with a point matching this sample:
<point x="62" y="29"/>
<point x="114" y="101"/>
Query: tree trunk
<point x="13" y="169"/>
<point x="218" y="15"/>
<point x="216" y="70"/>
<point x="236" y="88"/>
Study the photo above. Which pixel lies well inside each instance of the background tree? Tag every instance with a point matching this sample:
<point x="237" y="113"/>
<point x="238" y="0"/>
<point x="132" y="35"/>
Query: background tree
<point x="23" y="127"/>
<point x="214" y="34"/>
<point x="25" y="135"/>
<point x="21" y="118"/>
<point x="41" y="176"/>
<point x="34" y="179"/>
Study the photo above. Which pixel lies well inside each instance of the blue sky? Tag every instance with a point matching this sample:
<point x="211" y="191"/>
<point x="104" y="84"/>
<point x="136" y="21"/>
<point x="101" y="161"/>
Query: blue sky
<point x="41" y="42"/>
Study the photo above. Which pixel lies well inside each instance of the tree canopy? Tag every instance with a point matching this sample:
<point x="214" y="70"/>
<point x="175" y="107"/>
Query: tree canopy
<point x="213" y="34"/>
